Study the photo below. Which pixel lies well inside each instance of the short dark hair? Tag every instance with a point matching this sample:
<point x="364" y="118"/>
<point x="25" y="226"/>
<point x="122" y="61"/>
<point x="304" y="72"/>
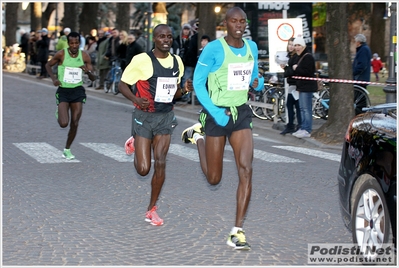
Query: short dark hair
<point x="74" y="35"/>
<point x="206" y="37"/>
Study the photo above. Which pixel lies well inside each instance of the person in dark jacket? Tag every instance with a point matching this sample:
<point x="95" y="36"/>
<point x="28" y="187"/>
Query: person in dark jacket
<point x="305" y="67"/>
<point x="43" y="51"/>
<point x="292" y="100"/>
<point x="361" y="63"/>
<point x="133" y="48"/>
<point x="24" y="44"/>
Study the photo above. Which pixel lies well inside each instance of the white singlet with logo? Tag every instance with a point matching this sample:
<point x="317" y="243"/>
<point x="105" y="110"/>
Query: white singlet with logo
<point x="239" y="75"/>
<point x="166" y="89"/>
<point x="72" y="75"/>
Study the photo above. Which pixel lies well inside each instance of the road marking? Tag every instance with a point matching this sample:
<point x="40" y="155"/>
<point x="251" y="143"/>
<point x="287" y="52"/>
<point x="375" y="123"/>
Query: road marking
<point x="110" y="150"/>
<point x="270" y="157"/>
<point x="43" y="152"/>
<point x="315" y="153"/>
<point x="188" y="153"/>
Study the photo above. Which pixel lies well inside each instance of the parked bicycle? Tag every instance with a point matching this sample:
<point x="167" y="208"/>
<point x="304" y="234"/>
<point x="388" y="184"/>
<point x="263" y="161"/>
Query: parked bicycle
<point x="113" y="78"/>
<point x="321" y="99"/>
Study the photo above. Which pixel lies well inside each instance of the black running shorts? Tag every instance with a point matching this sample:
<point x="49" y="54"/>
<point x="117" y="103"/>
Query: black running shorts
<point x="147" y="125"/>
<point x="76" y="94"/>
<point x="243" y="121"/>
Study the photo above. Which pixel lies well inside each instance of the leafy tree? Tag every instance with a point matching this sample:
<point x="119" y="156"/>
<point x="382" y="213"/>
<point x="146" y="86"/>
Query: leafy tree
<point x="341" y="109"/>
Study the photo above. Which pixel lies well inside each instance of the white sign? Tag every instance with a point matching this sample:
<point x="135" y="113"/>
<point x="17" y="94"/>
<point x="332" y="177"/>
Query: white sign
<point x="280" y="31"/>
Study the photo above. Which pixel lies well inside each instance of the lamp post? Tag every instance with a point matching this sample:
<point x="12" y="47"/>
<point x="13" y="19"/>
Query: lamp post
<point x="149" y="29"/>
<point x="390" y="88"/>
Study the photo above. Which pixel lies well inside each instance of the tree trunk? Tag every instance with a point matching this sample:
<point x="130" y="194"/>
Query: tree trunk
<point x="123" y="17"/>
<point x="341" y="109"/>
<point x="11" y="23"/>
<point x="88" y="18"/>
<point x="207" y="21"/>
<point x="36" y="16"/>
<point x="378" y="30"/>
<point x="70" y="18"/>
<point x="47" y="13"/>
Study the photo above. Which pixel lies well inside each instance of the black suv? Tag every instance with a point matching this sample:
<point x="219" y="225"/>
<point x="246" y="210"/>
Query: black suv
<point x="367" y="176"/>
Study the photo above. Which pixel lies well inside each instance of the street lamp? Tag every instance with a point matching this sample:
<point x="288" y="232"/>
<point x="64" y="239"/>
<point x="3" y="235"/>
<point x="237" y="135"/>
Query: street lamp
<point x="390" y="88"/>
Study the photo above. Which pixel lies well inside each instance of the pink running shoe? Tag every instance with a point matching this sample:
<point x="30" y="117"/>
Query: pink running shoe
<point x="129" y="146"/>
<point x="152" y="217"/>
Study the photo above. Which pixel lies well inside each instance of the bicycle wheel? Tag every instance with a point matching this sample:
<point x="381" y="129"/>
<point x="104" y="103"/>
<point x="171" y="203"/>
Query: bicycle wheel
<point x="361" y="99"/>
<point x="115" y="84"/>
<point x="271" y="97"/>
<point x="281" y="108"/>
<point x="257" y="111"/>
<point x="108" y="82"/>
<point x="322" y="104"/>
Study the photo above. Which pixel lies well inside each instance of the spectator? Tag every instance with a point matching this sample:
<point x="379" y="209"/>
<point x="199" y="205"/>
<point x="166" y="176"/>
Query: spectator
<point x="361" y="64"/>
<point x="291" y="102"/>
<point x="24" y="44"/>
<point x="205" y="39"/>
<point x="140" y="39"/>
<point x="52" y="44"/>
<point x="190" y="57"/>
<point x="183" y="40"/>
<point x="377" y="65"/>
<point x="91" y="50"/>
<point x="122" y="48"/>
<point x="82" y="41"/>
<point x="63" y="42"/>
<point x="306" y="67"/>
<point x="101" y="37"/>
<point x="103" y="65"/>
<point x="113" y="45"/>
<point x="32" y="49"/>
<point x="43" y="52"/>
<point x="133" y="48"/>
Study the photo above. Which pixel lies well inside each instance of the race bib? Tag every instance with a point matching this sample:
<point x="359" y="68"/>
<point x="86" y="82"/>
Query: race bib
<point x="72" y="75"/>
<point x="239" y="75"/>
<point x="166" y="89"/>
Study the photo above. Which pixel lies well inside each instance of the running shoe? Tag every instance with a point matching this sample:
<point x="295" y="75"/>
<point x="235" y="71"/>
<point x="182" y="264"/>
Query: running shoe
<point x="298" y="132"/>
<point x="68" y="155"/>
<point x="152" y="217"/>
<point x="188" y="134"/>
<point x="129" y="146"/>
<point x="237" y="241"/>
<point x="303" y="134"/>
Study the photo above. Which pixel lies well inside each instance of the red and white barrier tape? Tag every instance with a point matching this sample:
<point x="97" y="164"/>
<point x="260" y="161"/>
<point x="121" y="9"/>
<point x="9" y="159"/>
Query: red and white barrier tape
<point x="328" y="80"/>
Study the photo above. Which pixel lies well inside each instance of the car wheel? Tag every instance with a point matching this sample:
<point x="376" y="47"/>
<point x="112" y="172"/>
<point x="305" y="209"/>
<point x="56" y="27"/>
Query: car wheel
<point x="370" y="216"/>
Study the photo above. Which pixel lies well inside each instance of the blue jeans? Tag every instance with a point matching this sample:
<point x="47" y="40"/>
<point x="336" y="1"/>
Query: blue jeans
<point x="305" y="104"/>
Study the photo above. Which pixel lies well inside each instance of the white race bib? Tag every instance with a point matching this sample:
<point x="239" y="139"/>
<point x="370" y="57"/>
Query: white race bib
<point x="239" y="75"/>
<point x="72" y="75"/>
<point x="166" y="89"/>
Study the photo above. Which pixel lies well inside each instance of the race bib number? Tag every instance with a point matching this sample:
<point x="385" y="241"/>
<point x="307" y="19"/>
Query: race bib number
<point x="166" y="89"/>
<point x="72" y="75"/>
<point x="239" y="75"/>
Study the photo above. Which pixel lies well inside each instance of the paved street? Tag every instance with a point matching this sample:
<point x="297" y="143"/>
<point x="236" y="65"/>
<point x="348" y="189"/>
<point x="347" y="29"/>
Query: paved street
<point x="90" y="211"/>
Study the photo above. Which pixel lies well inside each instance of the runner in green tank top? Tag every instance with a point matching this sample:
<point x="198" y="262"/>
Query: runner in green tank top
<point x="70" y="95"/>
<point x="225" y="70"/>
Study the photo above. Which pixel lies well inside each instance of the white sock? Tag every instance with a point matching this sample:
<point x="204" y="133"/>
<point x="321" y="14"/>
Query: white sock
<point x="197" y="136"/>
<point x="234" y="230"/>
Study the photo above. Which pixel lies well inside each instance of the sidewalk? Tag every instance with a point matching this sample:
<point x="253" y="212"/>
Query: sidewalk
<point x="190" y="111"/>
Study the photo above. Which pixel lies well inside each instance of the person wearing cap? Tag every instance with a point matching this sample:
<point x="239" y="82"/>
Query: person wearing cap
<point x="42" y="45"/>
<point x="70" y="95"/>
<point x="305" y="67"/>
<point x="377" y="65"/>
<point x="361" y="66"/>
<point x="63" y="42"/>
